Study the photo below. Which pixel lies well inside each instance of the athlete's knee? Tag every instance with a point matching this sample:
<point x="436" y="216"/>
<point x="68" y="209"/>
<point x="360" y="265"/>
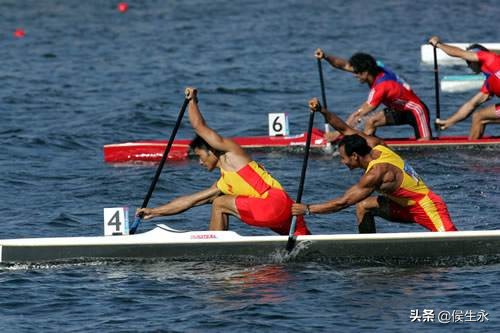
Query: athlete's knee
<point x="366" y="205"/>
<point x="477" y="117"/>
<point x="371" y="124"/>
<point x="218" y="202"/>
<point x="224" y="204"/>
<point x="361" y="208"/>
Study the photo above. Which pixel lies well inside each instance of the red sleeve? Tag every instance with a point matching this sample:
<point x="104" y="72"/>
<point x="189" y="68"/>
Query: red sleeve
<point x="376" y="95"/>
<point x="483" y="56"/>
<point x="484" y="88"/>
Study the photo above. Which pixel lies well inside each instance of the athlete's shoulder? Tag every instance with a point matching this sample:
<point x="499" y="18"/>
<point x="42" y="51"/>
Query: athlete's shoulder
<point x="487" y="56"/>
<point x="375" y="174"/>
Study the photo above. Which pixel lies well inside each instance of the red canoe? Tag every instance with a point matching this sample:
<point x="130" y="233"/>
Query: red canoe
<point x="152" y="150"/>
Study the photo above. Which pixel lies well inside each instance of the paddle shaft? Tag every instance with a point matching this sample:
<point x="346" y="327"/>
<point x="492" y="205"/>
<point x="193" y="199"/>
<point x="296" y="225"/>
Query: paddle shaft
<point x="323" y="95"/>
<point x="137" y="221"/>
<point x="291" y="239"/>
<point x="322" y="83"/>
<point x="436" y="87"/>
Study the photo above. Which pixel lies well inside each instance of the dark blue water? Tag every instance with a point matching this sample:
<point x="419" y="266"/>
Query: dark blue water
<point x="85" y="75"/>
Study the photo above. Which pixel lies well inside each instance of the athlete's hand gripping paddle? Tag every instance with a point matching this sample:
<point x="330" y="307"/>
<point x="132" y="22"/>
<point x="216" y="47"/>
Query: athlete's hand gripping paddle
<point x="138" y="218"/>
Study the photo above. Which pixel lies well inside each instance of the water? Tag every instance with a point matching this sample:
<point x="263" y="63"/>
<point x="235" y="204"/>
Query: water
<point x="86" y="75"/>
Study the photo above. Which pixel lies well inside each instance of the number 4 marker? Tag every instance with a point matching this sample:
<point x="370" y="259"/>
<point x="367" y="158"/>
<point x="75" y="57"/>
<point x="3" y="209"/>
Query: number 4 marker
<point x="116" y="221"/>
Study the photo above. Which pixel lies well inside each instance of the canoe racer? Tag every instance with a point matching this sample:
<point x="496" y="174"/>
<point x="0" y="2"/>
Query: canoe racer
<point x="403" y="105"/>
<point x="244" y="190"/>
<point x="404" y="196"/>
<point x="479" y="59"/>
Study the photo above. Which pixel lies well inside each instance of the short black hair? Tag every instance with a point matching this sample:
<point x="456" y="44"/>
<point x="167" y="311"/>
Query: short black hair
<point x="363" y="62"/>
<point x="199" y="143"/>
<point x="355" y="143"/>
<point x="476" y="47"/>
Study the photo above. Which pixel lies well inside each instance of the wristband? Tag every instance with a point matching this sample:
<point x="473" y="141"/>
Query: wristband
<point x="308" y="211"/>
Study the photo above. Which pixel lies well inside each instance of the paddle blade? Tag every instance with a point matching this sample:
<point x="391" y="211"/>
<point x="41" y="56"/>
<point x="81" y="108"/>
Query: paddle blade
<point x="291" y="237"/>
<point x="135" y="225"/>
<point x="290" y="243"/>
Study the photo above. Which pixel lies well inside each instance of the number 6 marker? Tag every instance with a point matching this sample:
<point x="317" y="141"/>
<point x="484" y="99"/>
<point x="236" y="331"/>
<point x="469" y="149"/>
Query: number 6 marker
<point x="278" y="124"/>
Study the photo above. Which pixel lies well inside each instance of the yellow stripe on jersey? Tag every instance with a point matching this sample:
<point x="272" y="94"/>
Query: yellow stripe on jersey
<point x="412" y="188"/>
<point x="251" y="180"/>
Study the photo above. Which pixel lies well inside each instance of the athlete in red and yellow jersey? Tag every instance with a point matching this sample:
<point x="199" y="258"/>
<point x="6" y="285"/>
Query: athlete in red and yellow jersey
<point x="403" y="105"/>
<point x="479" y="59"/>
<point x="245" y="189"/>
<point x="405" y="197"/>
<point x="259" y="198"/>
<point x="412" y="201"/>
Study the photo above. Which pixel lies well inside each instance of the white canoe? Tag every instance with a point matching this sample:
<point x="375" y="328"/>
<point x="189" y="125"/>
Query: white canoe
<point x="427" y="53"/>
<point x="163" y="242"/>
<point x="461" y="83"/>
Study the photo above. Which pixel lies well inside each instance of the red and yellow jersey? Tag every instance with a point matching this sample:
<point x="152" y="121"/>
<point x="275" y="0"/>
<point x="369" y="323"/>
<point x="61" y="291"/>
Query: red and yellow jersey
<point x="490" y="66"/>
<point x="260" y="199"/>
<point x="251" y="180"/>
<point x="423" y="206"/>
<point x="412" y="188"/>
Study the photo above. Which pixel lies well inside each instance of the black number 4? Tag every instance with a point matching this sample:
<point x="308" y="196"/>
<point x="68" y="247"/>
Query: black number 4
<point x="115" y="220"/>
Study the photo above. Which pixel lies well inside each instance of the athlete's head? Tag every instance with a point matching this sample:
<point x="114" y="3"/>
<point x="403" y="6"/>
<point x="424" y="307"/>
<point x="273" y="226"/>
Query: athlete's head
<point x="363" y="64"/>
<point x="474" y="65"/>
<point x="351" y="149"/>
<point x="207" y="156"/>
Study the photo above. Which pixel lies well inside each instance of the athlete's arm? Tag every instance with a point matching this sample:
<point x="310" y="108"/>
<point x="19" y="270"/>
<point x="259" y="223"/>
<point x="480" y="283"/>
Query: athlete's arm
<point x="340" y="125"/>
<point x="464" y="111"/>
<point x="334" y="61"/>
<point x="362" y="190"/>
<point x="181" y="204"/>
<point x="356" y="116"/>
<point x="453" y="51"/>
<point x="199" y="125"/>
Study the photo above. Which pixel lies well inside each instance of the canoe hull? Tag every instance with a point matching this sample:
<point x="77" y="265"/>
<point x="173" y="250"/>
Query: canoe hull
<point x="427" y="53"/>
<point x="152" y="151"/>
<point x="206" y="245"/>
<point x="461" y="83"/>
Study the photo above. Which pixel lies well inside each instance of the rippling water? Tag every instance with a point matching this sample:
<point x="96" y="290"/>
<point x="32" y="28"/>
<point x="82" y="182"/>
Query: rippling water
<point x="86" y="75"/>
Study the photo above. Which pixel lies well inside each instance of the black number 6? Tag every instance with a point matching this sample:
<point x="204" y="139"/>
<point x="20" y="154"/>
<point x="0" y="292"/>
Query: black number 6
<point x="277" y="126"/>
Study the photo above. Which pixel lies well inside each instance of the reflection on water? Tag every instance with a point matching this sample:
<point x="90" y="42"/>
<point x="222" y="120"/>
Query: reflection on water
<point x="255" y="285"/>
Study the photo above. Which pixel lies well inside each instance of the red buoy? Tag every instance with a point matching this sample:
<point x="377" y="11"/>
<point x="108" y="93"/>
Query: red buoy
<point x="19" y="33"/>
<point x="122" y="7"/>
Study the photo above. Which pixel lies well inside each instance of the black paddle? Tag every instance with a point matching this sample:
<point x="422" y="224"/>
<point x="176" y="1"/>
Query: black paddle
<point x="436" y="89"/>
<point x="291" y="238"/>
<point x="323" y="96"/>
<point x="137" y="221"/>
<point x="322" y="83"/>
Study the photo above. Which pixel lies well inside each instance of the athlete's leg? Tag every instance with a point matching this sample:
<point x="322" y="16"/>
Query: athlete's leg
<point x="373" y="121"/>
<point x="222" y="207"/>
<point x="380" y="206"/>
<point x="391" y="211"/>
<point x="487" y="115"/>
<point x="419" y="120"/>
<point x="365" y="216"/>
